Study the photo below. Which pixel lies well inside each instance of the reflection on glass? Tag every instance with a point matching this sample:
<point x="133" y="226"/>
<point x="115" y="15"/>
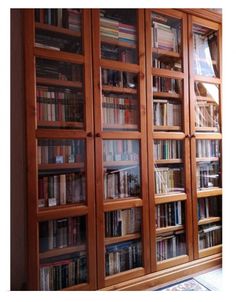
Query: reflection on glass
<point x="121" y="169"/>
<point x="118" y="35"/>
<point x="209" y="235"/>
<point x="166" y="42"/>
<point x="207" y="148"/>
<point x="123" y="222"/>
<point x="170" y="245"/>
<point x="206" y="106"/>
<point x="120" y="111"/>
<point x="205" y="47"/>
<point x="170" y="214"/>
<point x="208" y="175"/>
<point x="123" y="256"/>
<point x="170" y="85"/>
<point x="59" y="107"/>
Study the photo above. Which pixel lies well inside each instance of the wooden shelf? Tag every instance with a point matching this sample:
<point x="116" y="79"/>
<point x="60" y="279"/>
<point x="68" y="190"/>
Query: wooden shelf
<point x="119" y="163"/>
<point x="207" y="159"/>
<point x="169" y="229"/>
<point x="168" y="161"/>
<point x="111" y="240"/>
<point x="119" y="89"/>
<point x="57" y="29"/>
<point x="206" y="99"/>
<point x="166" y="53"/>
<point x="61" y="124"/>
<point x="62" y="251"/>
<point x="56" y="82"/>
<point x="170" y="197"/>
<point x="215" y="191"/>
<point x="209" y="220"/>
<point x="61" y="166"/>
<point x="167" y="128"/>
<point x="118" y="43"/>
<point x="209" y="129"/>
<point x="121" y="126"/>
<point x="169" y="95"/>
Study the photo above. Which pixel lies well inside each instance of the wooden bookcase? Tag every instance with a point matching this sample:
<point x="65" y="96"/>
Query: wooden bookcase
<point x="117" y="144"/>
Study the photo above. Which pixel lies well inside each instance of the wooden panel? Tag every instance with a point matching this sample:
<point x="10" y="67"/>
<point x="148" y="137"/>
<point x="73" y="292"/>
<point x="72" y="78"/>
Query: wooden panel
<point x="57" y="29"/>
<point x="116" y="65"/>
<point x="122" y="204"/>
<point x="172" y="262"/>
<point x="116" y="279"/>
<point x="168" y="135"/>
<point x="209" y="192"/>
<point x="208" y="135"/>
<point x="70" y="211"/>
<point x="112" y="240"/>
<point x="204" y="13"/>
<point x="167" y="73"/>
<point x="210" y="251"/>
<point x="209" y="220"/>
<point x="60" y="133"/>
<point x="170" y="198"/>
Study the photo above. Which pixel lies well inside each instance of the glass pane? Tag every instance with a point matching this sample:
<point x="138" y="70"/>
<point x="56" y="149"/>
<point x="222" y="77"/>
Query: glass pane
<point x="209" y="207"/>
<point x="59" y="107"/>
<point x="58" y="41"/>
<point x="63" y="255"/>
<point x="170" y="245"/>
<point x="167" y="108"/>
<point x="205" y="47"/>
<point x="118" y="35"/>
<point x="166" y="42"/>
<point x="208" y="165"/>
<point x="169" y="168"/>
<point x="123" y="222"/>
<point x="58" y="70"/>
<point x="120" y="111"/>
<point x="121" y="169"/>
<point x="170" y="214"/>
<point x="62" y="18"/>
<point x="123" y="256"/>
<point x="119" y="79"/>
<point x="61" y="176"/>
<point x="209" y="235"/>
<point x="206" y="106"/>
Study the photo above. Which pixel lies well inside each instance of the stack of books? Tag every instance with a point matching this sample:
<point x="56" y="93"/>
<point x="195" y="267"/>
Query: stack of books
<point x="169" y="214"/>
<point x="167" y="149"/>
<point x="209" y="235"/>
<point x="209" y="207"/>
<point x="127" y="33"/>
<point x="74" y="19"/>
<point x="168" y="180"/>
<point x="166" y="113"/>
<point x="207" y="148"/>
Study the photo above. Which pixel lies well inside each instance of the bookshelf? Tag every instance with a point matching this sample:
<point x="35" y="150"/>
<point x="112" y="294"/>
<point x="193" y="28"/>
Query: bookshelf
<point x="124" y="147"/>
<point x="206" y="141"/>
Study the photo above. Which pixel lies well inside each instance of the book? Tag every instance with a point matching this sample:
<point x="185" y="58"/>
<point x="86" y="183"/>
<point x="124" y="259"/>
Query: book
<point x="169" y="214"/>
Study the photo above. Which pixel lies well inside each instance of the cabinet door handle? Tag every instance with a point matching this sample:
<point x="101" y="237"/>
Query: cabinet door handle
<point x="98" y="135"/>
<point x="188" y="136"/>
<point x="193" y="135"/>
<point x="89" y="134"/>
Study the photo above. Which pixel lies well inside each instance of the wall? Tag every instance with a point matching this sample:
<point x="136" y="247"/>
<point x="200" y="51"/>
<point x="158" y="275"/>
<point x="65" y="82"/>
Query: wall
<point x="18" y="160"/>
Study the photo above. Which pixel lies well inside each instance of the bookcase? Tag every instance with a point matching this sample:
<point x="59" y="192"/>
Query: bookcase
<point x="123" y="144"/>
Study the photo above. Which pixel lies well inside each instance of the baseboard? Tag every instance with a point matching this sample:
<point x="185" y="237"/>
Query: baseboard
<point x="158" y="278"/>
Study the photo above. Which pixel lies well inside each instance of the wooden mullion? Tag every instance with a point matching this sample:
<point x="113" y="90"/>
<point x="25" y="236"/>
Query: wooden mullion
<point x="32" y="183"/>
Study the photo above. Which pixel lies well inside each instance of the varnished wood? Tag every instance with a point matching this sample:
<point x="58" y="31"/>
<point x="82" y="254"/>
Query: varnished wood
<point x="209" y="192"/>
<point x="119" y="204"/>
<point x="168" y="229"/>
<point x="59" y="212"/>
<point x="119" y="89"/>
<point x="121" y="66"/>
<point x="206" y="159"/>
<point x="168" y="135"/>
<point x="169" y="95"/>
<point x="170" y="198"/>
<point x="204" y="13"/>
<point x="123" y="276"/>
<point x="62" y="251"/>
<point x="47" y="167"/>
<point x="168" y="161"/>
<point x="209" y="220"/>
<point x="167" y="73"/>
<point x="57" y="29"/>
<point x="210" y="251"/>
<point x="56" y="82"/>
<point x="60" y="124"/>
<point x="161" y="265"/>
<point x="118" y="43"/>
<point x="112" y="240"/>
<point x="61" y="133"/>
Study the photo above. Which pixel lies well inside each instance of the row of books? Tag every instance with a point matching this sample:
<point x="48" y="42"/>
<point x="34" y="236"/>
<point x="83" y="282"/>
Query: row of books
<point x="123" y="222"/>
<point x="119" y="78"/>
<point x="118" y="31"/>
<point x="168" y="180"/>
<point x="209" y="235"/>
<point x="54" y="190"/>
<point x="207" y="114"/>
<point x="207" y="148"/>
<point x="121" y="183"/>
<point x="113" y="52"/>
<point x="166" y="113"/>
<point x="207" y="175"/>
<point x="67" y="18"/>
<point x="164" y="36"/>
<point x="170" y="65"/>
<point x="58" y="42"/>
<point x="60" y="151"/>
<point x="61" y="233"/>
<point x="169" y="214"/>
<point x="209" y="207"/>
<point x="119" y="150"/>
<point x="167" y="149"/>
<point x="55" y="104"/>
<point x="123" y="256"/>
<point x="170" y="245"/>
<point x="62" y="273"/>
<point x="58" y="70"/>
<point x="170" y="85"/>
<point x="119" y="110"/>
